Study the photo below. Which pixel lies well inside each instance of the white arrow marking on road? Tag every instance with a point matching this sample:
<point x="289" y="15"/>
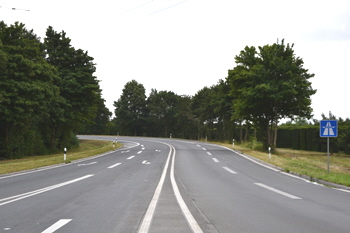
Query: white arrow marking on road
<point x="145" y="162"/>
<point x="57" y="225"/>
<point x="278" y="191"/>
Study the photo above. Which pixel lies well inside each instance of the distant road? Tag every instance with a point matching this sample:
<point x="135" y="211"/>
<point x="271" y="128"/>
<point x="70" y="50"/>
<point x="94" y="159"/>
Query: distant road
<point x="168" y="185"/>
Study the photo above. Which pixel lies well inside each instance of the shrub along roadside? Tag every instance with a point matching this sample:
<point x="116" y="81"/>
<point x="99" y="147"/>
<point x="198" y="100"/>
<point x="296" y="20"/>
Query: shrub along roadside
<point x="87" y="148"/>
<point x="309" y="163"/>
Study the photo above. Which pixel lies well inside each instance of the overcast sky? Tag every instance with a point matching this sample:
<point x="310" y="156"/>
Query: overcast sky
<point x="185" y="45"/>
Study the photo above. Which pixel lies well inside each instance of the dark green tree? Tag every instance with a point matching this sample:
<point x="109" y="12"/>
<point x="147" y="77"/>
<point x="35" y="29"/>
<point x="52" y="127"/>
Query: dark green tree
<point x="163" y="108"/>
<point x="131" y="109"/>
<point x="270" y="85"/>
<point x="79" y="88"/>
<point x="27" y="90"/>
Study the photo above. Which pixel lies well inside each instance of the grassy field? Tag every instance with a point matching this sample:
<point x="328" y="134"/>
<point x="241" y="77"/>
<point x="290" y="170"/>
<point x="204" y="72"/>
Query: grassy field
<point x="87" y="148"/>
<point x="312" y="164"/>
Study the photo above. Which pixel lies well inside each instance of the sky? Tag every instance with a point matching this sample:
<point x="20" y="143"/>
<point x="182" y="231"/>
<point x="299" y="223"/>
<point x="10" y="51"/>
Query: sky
<point x="185" y="45"/>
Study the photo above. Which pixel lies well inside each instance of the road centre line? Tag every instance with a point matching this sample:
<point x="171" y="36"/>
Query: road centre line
<point x="229" y="170"/>
<point x="204" y="148"/>
<point x="57" y="225"/>
<point x="215" y="160"/>
<point x="278" y="191"/>
<point x="117" y="164"/>
<point x="189" y="217"/>
<point x="146" y="222"/>
<point x="139" y="152"/>
<point x="209" y="153"/>
<point x="36" y="192"/>
<point x="131" y="157"/>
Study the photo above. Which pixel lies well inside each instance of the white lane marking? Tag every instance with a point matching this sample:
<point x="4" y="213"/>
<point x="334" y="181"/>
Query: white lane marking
<point x="131" y="157"/>
<point x="145" y="162"/>
<point x="190" y="219"/>
<point x="57" y="225"/>
<point x="278" y="191"/>
<point x="146" y="222"/>
<point x="117" y="164"/>
<point x="215" y="160"/>
<point x="204" y="148"/>
<point x="229" y="170"/>
<point x="139" y="152"/>
<point x="199" y="145"/>
<point x="82" y="164"/>
<point x="125" y="151"/>
<point x="209" y="153"/>
<point x="36" y="192"/>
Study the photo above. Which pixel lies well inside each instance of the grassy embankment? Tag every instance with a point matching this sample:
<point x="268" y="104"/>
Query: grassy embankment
<point x="312" y="164"/>
<point x="87" y="148"/>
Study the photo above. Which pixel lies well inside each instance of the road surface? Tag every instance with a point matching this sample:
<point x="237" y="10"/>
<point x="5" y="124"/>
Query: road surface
<point x="168" y="185"/>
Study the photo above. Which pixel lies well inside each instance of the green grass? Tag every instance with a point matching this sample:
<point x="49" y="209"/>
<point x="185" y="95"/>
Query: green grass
<point x="87" y="148"/>
<point x="312" y="164"/>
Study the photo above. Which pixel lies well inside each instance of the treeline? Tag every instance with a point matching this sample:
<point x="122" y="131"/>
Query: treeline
<point x="48" y="92"/>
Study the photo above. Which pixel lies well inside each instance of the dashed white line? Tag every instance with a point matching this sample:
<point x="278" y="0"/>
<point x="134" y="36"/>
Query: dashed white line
<point x="215" y="160"/>
<point x="8" y="200"/>
<point x="57" y="225"/>
<point x="229" y="170"/>
<point x="204" y="148"/>
<point x="117" y="164"/>
<point x="139" y="152"/>
<point x="278" y="191"/>
<point x="131" y="157"/>
<point x="209" y="153"/>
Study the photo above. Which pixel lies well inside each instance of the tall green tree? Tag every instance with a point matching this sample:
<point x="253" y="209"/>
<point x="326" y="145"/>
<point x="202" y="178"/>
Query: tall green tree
<point x="270" y="84"/>
<point x="27" y="90"/>
<point x="163" y="107"/>
<point x="79" y="88"/>
<point x="131" y="108"/>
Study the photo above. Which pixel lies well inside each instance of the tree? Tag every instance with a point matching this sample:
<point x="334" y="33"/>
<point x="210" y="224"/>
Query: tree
<point x="270" y="85"/>
<point x="79" y="88"/>
<point x="27" y="89"/>
<point x="163" y="107"/>
<point x="130" y="109"/>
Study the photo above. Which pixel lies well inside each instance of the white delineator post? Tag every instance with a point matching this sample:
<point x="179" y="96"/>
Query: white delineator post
<point x="233" y="142"/>
<point x="269" y="152"/>
<point x="65" y="154"/>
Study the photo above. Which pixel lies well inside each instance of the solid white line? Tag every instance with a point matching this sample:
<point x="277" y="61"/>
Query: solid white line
<point x="36" y="192"/>
<point x="57" y="225"/>
<point x="209" y="153"/>
<point x="215" y="160"/>
<point x="190" y="219"/>
<point x="277" y="191"/>
<point x="229" y="170"/>
<point x="131" y="157"/>
<point x="146" y="222"/>
<point x="117" y="164"/>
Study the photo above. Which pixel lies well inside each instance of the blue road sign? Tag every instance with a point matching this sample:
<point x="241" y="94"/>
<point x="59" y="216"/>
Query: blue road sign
<point x="329" y="128"/>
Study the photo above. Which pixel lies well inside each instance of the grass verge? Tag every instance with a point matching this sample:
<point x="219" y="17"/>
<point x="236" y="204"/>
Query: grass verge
<point x="87" y="148"/>
<point x="309" y="163"/>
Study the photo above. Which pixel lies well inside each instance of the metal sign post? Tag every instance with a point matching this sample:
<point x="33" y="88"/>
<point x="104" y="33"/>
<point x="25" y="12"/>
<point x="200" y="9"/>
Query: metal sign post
<point x="328" y="129"/>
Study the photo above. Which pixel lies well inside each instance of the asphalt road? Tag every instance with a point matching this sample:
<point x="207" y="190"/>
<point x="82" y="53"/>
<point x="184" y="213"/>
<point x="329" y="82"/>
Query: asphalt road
<point x="168" y="185"/>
